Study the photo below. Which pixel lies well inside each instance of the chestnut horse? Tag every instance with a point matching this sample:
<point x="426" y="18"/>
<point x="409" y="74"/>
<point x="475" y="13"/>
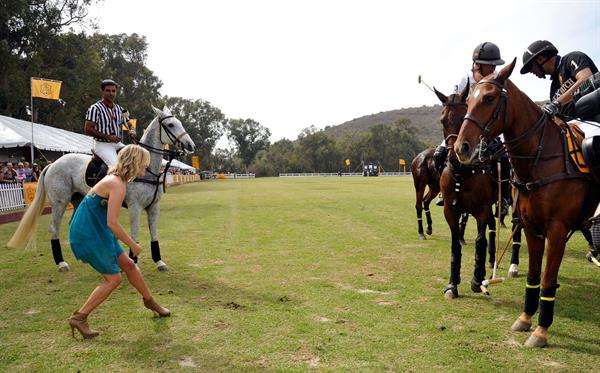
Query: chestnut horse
<point x="425" y="175"/>
<point x="466" y="189"/>
<point x="553" y="197"/>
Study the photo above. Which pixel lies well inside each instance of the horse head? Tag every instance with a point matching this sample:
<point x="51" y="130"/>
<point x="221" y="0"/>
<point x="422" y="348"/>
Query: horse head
<point x="172" y="132"/>
<point x="486" y="116"/>
<point x="454" y="108"/>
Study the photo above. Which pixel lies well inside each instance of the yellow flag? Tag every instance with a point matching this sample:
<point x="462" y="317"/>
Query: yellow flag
<point x="196" y="162"/>
<point x="132" y="122"/>
<point x="347" y="162"/>
<point x="45" y="88"/>
<point x="402" y="162"/>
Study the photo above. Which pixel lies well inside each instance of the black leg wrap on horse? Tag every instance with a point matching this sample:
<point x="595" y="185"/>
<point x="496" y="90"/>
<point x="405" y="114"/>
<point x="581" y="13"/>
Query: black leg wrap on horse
<point x="547" y="306"/>
<point x="133" y="257"/>
<point x="595" y="233"/>
<point x="480" y="247"/>
<point x="455" y="268"/>
<point x="155" y="249"/>
<point x="56" y="251"/>
<point x="428" y="217"/>
<point x="532" y="296"/>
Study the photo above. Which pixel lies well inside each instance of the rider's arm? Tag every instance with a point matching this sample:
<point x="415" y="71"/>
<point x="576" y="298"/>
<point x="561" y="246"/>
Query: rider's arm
<point x="581" y="76"/>
<point x="90" y="130"/>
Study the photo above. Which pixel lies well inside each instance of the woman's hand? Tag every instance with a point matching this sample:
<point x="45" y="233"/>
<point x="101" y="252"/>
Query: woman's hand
<point x="136" y="249"/>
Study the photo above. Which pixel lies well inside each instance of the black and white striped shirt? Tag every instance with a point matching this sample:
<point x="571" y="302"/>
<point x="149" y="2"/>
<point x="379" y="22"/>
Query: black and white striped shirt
<point x="107" y="120"/>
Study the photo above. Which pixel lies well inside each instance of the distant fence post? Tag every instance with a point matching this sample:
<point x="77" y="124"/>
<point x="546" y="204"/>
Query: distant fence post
<point x="11" y="196"/>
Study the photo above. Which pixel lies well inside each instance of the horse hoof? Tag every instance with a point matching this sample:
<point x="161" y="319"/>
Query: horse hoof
<point x="513" y="270"/>
<point x="451" y="292"/>
<point x="422" y="236"/>
<point x="162" y="266"/>
<point x="476" y="286"/>
<point x="463" y="242"/>
<point x="63" y="267"/>
<point x="535" y="341"/>
<point x="520" y="326"/>
<point x="429" y="231"/>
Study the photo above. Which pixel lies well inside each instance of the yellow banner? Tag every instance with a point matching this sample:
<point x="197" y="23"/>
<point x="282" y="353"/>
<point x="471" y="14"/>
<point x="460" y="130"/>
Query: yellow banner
<point x="29" y="190"/>
<point x="347" y="162"/>
<point x="196" y="162"/>
<point x="132" y="123"/>
<point x="43" y="88"/>
<point x="402" y="162"/>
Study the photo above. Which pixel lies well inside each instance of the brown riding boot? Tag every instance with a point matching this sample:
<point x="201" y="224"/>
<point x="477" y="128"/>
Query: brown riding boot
<point x="79" y="321"/>
<point x="160" y="310"/>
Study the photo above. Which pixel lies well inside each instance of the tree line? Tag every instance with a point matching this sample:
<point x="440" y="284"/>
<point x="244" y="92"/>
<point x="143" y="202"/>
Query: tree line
<point x="37" y="39"/>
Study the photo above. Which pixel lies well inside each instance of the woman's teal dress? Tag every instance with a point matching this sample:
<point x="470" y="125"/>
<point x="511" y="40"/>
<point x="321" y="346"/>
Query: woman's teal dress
<point x="91" y="240"/>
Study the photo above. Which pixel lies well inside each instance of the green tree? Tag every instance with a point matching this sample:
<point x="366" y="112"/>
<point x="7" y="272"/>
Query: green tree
<point x="249" y="137"/>
<point x="318" y="151"/>
<point x="204" y="123"/>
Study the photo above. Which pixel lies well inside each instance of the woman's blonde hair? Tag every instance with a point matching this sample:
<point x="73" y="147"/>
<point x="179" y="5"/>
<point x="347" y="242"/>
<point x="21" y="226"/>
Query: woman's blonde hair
<point x="130" y="160"/>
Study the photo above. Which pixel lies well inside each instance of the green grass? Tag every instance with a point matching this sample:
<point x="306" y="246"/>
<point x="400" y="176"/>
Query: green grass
<point x="291" y="275"/>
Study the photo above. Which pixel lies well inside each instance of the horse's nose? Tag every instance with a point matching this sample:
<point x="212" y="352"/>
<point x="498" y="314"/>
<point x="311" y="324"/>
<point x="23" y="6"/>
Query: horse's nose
<point x="464" y="149"/>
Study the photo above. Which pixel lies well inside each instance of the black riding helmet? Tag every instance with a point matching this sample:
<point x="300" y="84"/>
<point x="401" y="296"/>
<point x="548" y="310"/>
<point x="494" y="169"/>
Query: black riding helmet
<point x="487" y="54"/>
<point x="535" y="49"/>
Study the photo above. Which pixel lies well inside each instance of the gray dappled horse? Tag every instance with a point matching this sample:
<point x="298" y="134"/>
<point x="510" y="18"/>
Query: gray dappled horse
<point x="64" y="181"/>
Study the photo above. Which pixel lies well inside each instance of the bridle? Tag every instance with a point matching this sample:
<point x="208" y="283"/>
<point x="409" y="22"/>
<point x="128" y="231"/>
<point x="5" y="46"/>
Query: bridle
<point x="171" y="154"/>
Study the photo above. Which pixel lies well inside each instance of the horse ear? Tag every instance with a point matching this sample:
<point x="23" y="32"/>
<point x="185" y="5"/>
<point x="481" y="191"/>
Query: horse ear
<point x="166" y="110"/>
<point x="465" y="92"/>
<point x="440" y="95"/>
<point x="156" y="111"/>
<point x="506" y="71"/>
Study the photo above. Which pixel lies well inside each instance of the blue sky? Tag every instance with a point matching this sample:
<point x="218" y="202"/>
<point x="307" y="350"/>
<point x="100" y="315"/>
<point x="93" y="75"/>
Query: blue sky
<point x="292" y="64"/>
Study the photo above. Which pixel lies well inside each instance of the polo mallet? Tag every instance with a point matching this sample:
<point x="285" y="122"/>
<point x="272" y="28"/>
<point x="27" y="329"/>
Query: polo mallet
<point x="421" y="81"/>
<point x="494" y="280"/>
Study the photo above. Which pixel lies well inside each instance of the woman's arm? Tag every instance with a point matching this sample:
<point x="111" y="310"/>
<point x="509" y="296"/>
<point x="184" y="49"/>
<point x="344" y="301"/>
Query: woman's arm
<point x="117" y="189"/>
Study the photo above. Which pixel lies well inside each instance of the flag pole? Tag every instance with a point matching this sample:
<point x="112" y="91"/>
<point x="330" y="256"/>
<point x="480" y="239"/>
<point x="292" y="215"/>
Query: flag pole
<point x="31" y="94"/>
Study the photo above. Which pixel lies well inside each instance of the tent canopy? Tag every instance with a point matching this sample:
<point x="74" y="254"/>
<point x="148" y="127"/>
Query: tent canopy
<point x="178" y="164"/>
<point x="16" y="132"/>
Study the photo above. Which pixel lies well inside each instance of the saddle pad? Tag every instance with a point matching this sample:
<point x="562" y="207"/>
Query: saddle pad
<point x="575" y="135"/>
<point x="589" y="129"/>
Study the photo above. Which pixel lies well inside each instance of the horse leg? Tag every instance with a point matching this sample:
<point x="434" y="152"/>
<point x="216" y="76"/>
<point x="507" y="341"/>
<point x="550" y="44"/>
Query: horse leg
<point x="451" y="291"/>
<point x="428" y="198"/>
<point x="535" y="247"/>
<point x="492" y="240"/>
<point x="557" y="239"/>
<point x="419" y="208"/>
<point x="480" y="247"/>
<point x="513" y="270"/>
<point x="463" y="226"/>
<point x="58" y="210"/>
<point x="153" y="213"/>
<point x="135" y="210"/>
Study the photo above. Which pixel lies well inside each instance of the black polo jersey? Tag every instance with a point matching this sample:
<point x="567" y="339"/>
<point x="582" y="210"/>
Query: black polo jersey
<point x="567" y="69"/>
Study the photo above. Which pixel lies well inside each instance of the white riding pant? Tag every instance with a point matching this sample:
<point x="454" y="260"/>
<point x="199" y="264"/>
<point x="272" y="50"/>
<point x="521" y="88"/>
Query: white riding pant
<point x="108" y="151"/>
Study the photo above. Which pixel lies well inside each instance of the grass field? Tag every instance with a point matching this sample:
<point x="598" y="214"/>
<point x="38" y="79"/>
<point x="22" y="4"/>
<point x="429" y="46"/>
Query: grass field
<point x="304" y="274"/>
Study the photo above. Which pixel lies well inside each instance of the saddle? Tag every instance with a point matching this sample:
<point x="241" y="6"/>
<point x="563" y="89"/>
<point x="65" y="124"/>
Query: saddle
<point x="95" y="171"/>
<point x="574" y="137"/>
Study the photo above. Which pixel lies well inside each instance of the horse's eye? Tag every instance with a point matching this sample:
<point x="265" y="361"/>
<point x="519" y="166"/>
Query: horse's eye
<point x="488" y="99"/>
<point x="171" y="125"/>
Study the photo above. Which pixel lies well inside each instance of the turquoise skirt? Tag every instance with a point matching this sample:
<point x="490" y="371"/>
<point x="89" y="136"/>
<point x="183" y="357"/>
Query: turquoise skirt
<point x="91" y="240"/>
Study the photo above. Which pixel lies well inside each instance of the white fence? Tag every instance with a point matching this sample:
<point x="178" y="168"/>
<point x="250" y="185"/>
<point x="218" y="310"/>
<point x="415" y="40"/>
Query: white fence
<point x="310" y="174"/>
<point x="11" y="196"/>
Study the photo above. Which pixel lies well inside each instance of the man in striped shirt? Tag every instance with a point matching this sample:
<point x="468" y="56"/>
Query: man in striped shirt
<point x="103" y="122"/>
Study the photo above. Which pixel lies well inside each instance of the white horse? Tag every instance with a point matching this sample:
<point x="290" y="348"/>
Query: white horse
<point x="64" y="181"/>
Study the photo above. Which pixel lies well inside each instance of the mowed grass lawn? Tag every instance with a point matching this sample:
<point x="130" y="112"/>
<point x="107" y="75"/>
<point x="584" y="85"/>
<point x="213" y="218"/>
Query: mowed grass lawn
<point x="296" y="274"/>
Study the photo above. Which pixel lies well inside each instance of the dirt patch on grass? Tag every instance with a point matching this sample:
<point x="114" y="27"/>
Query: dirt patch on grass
<point x="186" y="361"/>
<point x="233" y="306"/>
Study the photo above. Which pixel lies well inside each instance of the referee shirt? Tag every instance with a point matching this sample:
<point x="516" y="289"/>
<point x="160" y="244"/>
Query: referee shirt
<point x="107" y="120"/>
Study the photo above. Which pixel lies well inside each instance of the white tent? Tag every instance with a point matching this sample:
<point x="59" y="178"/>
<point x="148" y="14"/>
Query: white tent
<point x="16" y="132"/>
<point x="178" y="164"/>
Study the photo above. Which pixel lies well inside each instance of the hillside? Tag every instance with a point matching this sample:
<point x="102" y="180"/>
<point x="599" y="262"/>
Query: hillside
<point x="425" y="119"/>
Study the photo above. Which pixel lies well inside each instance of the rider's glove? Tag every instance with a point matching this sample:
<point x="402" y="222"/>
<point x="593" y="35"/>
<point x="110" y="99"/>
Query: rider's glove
<point x="551" y="108"/>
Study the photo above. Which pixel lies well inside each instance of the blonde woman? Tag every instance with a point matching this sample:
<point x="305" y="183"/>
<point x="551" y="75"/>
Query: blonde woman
<point x="95" y="231"/>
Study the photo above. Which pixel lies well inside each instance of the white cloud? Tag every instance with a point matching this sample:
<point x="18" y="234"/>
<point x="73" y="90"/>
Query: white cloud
<point x="291" y="64"/>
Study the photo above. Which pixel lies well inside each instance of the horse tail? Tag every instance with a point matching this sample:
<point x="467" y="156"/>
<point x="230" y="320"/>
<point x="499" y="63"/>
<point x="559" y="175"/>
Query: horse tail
<point x="25" y="233"/>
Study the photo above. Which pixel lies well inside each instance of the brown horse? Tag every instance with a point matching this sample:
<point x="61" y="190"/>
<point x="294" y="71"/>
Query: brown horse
<point x="553" y="197"/>
<point x="466" y="189"/>
<point x="425" y="175"/>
